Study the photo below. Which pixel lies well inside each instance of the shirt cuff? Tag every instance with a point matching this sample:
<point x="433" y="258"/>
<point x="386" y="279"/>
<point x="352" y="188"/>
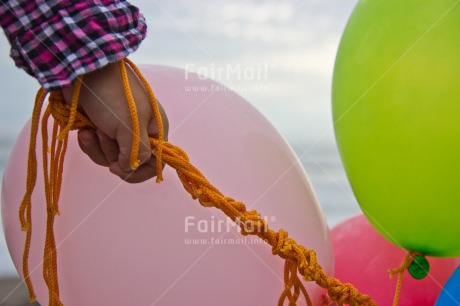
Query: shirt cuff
<point x="71" y="38"/>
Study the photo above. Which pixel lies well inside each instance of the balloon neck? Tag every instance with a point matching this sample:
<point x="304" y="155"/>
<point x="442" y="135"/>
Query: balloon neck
<point x="419" y="268"/>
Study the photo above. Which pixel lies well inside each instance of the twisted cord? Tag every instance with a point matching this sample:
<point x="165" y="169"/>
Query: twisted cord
<point x="25" y="209"/>
<point x="408" y="259"/>
<point x="134" y="118"/>
<point x="298" y="259"/>
<point x="157" y="115"/>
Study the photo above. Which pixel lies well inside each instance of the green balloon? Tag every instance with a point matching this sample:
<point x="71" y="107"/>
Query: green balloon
<point x="396" y="109"/>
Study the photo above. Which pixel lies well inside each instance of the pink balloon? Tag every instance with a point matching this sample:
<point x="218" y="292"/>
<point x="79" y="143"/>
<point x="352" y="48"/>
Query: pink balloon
<point x="151" y="244"/>
<point x="363" y="257"/>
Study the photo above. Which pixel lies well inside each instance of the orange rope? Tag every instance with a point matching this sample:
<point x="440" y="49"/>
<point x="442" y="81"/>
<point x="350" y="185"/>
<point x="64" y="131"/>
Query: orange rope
<point x="156" y="113"/>
<point x="25" y="210"/>
<point x="134" y="119"/>
<point x="400" y="271"/>
<point x="298" y="259"/>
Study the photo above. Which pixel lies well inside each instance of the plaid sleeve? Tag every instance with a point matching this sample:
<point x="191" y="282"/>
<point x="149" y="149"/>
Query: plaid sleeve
<point x="57" y="40"/>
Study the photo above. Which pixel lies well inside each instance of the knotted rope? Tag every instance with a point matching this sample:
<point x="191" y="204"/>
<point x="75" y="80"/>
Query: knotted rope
<point x="298" y="259"/>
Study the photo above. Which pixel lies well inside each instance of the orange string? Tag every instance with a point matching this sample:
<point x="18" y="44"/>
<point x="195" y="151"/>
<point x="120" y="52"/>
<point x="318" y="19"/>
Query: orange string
<point x="408" y="259"/>
<point x="134" y="119"/>
<point x="25" y="209"/>
<point x="298" y="259"/>
<point x="156" y="113"/>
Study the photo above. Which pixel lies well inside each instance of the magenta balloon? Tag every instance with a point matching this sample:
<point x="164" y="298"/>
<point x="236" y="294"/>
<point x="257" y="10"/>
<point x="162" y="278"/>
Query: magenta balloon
<point x="151" y="244"/>
<point x="363" y="257"/>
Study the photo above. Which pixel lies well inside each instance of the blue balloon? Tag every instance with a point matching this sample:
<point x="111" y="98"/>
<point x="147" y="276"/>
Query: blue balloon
<point x="450" y="294"/>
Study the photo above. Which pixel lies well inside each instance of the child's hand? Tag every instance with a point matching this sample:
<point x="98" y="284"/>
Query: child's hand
<point x="102" y="99"/>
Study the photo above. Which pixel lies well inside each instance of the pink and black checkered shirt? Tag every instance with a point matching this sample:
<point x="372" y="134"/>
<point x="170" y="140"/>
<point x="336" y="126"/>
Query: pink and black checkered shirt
<point x="57" y="40"/>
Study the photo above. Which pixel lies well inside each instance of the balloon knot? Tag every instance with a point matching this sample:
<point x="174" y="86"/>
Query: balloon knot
<point x="405" y="264"/>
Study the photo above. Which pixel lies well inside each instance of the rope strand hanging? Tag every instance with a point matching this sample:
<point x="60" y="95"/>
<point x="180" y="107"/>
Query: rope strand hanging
<point x="298" y="259"/>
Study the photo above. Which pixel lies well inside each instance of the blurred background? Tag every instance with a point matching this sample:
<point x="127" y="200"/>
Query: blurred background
<point x="285" y="51"/>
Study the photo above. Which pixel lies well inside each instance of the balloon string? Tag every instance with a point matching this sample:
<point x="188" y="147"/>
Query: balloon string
<point x="408" y="259"/>
<point x="133" y="112"/>
<point x="25" y="209"/>
<point x="298" y="259"/>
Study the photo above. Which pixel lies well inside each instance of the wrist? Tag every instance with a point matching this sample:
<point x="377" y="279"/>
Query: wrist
<point x="96" y="82"/>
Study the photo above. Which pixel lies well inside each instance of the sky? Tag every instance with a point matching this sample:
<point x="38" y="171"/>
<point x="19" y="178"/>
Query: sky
<point x="279" y="55"/>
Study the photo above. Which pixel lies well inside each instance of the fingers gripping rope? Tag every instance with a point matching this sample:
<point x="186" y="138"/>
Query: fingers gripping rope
<point x="298" y="259"/>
